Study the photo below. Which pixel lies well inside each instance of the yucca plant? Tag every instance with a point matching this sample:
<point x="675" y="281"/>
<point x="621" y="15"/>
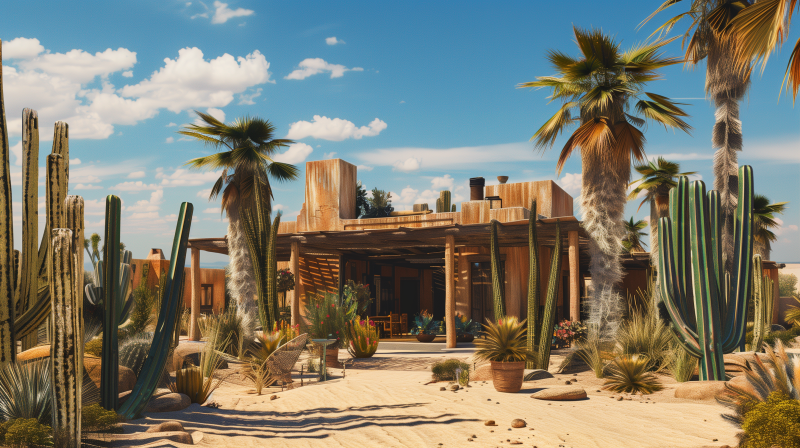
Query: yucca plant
<point x="629" y="373"/>
<point x="644" y="333"/>
<point x="505" y="341"/>
<point x="26" y="391"/>
<point x="257" y="370"/>
<point x="596" y="353"/>
<point x="362" y="338"/>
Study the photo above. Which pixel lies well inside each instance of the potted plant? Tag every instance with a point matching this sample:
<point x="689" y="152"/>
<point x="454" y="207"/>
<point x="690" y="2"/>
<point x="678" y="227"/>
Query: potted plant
<point x="466" y="329"/>
<point x="505" y="347"/>
<point x="327" y="315"/>
<point x="425" y="328"/>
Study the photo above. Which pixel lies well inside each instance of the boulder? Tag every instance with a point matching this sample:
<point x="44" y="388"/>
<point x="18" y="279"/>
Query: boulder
<point x="561" y="393"/>
<point x="699" y="390"/>
<point x="166" y="427"/>
<point x="169" y="403"/>
<point x="737" y="363"/>
<point x="537" y="374"/>
<point x="741" y="382"/>
<point x="482" y="373"/>
<point x="41" y="351"/>
<point x="124" y="395"/>
<point x="126" y="377"/>
<point x="187" y="353"/>
<point x="180" y="437"/>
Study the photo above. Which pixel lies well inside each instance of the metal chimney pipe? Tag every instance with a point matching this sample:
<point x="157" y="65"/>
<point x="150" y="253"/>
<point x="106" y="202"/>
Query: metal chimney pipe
<point x="476" y="185"/>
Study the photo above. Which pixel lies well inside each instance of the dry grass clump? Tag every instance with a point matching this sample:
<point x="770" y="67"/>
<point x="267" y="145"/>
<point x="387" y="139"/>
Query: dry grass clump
<point x="629" y="373"/>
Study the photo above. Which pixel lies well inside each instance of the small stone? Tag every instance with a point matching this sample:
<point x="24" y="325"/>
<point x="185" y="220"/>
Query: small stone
<point x="598" y="390"/>
<point x="469" y="439"/>
<point x="516" y="442"/>
<point x="567" y="382"/>
<point x="274" y="397"/>
<point x="489" y="423"/>
<point x="574" y="380"/>
<point x="454" y="387"/>
<point x="442" y="388"/>
<point x="474" y="436"/>
<point x="488" y="399"/>
<point x="714" y="440"/>
<point x="619" y="398"/>
<point x="518" y="423"/>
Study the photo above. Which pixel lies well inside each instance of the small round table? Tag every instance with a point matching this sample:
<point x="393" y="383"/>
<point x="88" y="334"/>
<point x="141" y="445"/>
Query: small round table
<point x="323" y="343"/>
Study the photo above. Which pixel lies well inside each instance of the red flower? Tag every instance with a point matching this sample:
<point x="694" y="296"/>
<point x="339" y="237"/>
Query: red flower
<point x="327" y="315"/>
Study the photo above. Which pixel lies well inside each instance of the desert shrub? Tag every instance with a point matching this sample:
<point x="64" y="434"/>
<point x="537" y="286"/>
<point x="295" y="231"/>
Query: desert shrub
<point x="629" y="373"/>
<point x="93" y="347"/>
<point x="362" y="338"/>
<point x="592" y="351"/>
<point x="644" y="333"/>
<point x="327" y="313"/>
<point x="234" y="331"/>
<point x="446" y="370"/>
<point x="95" y="418"/>
<point x="785" y="336"/>
<point x="774" y="422"/>
<point x="681" y="363"/>
<point x="134" y="350"/>
<point x="25" y="391"/>
<point x="23" y="432"/>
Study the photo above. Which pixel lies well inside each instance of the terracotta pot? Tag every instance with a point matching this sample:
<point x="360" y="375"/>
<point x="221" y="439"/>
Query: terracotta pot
<point x="332" y="357"/>
<point x="426" y="337"/>
<point x="465" y="338"/>
<point x="507" y="376"/>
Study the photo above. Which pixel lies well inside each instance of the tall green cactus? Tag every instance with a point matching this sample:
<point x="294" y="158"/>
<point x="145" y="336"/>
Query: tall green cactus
<point x="443" y="203"/>
<point x="763" y="300"/>
<point x="498" y="289"/>
<point x="162" y="340"/>
<point x="109" y="369"/>
<point x="694" y="279"/>
<point x="262" y="238"/>
<point x="8" y="341"/>
<point x="534" y="295"/>
<point x="549" y="315"/>
<point x="28" y="288"/>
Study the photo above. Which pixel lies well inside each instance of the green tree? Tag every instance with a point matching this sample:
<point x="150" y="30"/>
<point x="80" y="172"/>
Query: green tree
<point x="658" y="178"/>
<point x="726" y="85"/>
<point x="632" y="242"/>
<point x="787" y="284"/>
<point x="763" y="223"/>
<point x="247" y="146"/>
<point x="601" y="92"/>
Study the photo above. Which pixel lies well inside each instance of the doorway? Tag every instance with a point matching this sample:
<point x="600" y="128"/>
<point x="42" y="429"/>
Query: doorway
<point x="482" y="295"/>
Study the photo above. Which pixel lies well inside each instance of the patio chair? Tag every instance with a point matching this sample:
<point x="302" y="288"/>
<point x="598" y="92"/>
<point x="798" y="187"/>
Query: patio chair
<point x="395" y="325"/>
<point x="404" y="323"/>
<point x="282" y="360"/>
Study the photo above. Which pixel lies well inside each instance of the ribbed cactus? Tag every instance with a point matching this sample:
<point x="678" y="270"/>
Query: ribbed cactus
<point x="498" y="289"/>
<point x="189" y="381"/>
<point x="763" y="300"/>
<point x="133" y="352"/>
<point x="109" y="369"/>
<point x="443" y="203"/>
<point x="453" y="208"/>
<point x="533" y="284"/>
<point x="261" y="238"/>
<point x="549" y="315"/>
<point x="167" y="317"/>
<point x="29" y="268"/>
<point x="694" y="279"/>
<point x="8" y="341"/>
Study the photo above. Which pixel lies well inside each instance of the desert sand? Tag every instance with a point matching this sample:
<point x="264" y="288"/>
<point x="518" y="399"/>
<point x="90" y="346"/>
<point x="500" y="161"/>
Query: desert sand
<point x="376" y="407"/>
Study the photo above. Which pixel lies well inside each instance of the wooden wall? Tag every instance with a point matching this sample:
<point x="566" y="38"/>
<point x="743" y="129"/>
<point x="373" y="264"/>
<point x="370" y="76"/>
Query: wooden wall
<point x="215" y="277"/>
<point x="551" y="200"/>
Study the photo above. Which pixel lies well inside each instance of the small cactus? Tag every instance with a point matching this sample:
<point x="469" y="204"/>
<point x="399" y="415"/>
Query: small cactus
<point x="133" y="352"/>
<point x="189" y="381"/>
<point x="443" y="203"/>
<point x="763" y="300"/>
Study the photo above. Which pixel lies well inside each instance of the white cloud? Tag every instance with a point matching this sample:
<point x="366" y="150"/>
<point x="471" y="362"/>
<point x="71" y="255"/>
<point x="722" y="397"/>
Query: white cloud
<point x="148" y="205"/>
<point x="333" y="41"/>
<point x="170" y="139"/>
<point x="210" y="210"/>
<point x="204" y="193"/>
<point x="443" y="183"/>
<point x="21" y="48"/>
<point x="185" y="178"/>
<point x="202" y="14"/>
<point x="128" y="73"/>
<point x="74" y="162"/>
<point x="80" y="66"/>
<point x="446" y="158"/>
<point x="364" y="168"/>
<point x="249" y="98"/>
<point x="136" y="175"/>
<point x="783" y="229"/>
<point x="172" y="125"/>
<point x="334" y="129"/>
<point x="135" y="186"/>
<point x="571" y="183"/>
<point x="329" y="155"/>
<point x="219" y="114"/>
<point x="222" y="13"/>
<point x="296" y="154"/>
<point x="405" y="198"/>
<point x="408" y="165"/>
<point x="17" y="151"/>
<point x="314" y="66"/>
<point x="86" y="187"/>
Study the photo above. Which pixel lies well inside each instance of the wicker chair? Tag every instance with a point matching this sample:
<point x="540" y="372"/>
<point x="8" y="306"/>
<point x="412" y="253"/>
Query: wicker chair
<point x="282" y="361"/>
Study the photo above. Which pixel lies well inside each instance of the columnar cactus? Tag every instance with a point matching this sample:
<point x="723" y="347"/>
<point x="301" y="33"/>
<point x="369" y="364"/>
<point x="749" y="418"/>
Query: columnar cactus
<point x="763" y="300"/>
<point x="167" y="317"/>
<point x="498" y="290"/>
<point x="443" y="203"/>
<point x="533" y="283"/>
<point x="29" y="269"/>
<point x="549" y="315"/>
<point x="261" y="240"/>
<point x="109" y="369"/>
<point x="694" y="280"/>
<point x="8" y="341"/>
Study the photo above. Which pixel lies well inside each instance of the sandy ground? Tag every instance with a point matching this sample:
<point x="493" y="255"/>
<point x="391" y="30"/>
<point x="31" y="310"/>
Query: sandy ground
<point x="395" y="408"/>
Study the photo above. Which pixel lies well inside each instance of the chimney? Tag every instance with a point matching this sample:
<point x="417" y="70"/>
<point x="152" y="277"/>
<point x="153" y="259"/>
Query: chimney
<point x="476" y="188"/>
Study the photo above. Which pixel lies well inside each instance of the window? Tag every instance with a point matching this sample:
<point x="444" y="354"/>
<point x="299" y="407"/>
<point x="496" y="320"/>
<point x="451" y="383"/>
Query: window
<point x="206" y="298"/>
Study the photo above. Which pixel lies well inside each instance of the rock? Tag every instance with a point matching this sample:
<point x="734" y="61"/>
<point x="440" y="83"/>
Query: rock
<point x="618" y="398"/>
<point x="126" y="377"/>
<point x="489" y="423"/>
<point x="482" y="373"/>
<point x="273" y="397"/>
<point x="169" y="403"/>
<point x="187" y="353"/>
<point x="181" y="437"/>
<point x="737" y="363"/>
<point x="124" y="395"/>
<point x="454" y="387"/>
<point x="518" y="423"/>
<point x="442" y="388"/>
<point x="562" y="393"/>
<point x="41" y="351"/>
<point x="166" y="427"/>
<point x="537" y="374"/>
<point x="568" y="382"/>
<point x="515" y="442"/>
<point x="740" y="382"/>
<point x="699" y="390"/>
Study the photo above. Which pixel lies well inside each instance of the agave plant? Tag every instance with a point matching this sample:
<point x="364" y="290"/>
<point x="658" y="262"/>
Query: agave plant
<point x="505" y="341"/>
<point x="629" y="373"/>
<point x="26" y="391"/>
<point x="362" y="338"/>
<point x="424" y="324"/>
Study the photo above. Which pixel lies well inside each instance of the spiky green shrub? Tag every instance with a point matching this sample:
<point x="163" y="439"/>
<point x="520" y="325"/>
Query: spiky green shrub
<point x="26" y="391"/>
<point x="446" y="370"/>
<point x="771" y="423"/>
<point x="327" y="314"/>
<point x="133" y="351"/>
<point x="644" y="333"/>
<point x="681" y="364"/>
<point x="505" y="341"/>
<point x="24" y="432"/>
<point x="362" y="336"/>
<point x="95" y="418"/>
<point x="142" y="315"/>
<point x="629" y="373"/>
<point x="94" y="347"/>
<point x="236" y="331"/>
<point x="593" y="351"/>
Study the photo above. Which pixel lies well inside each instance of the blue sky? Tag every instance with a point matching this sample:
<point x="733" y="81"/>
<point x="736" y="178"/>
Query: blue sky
<point x="387" y="86"/>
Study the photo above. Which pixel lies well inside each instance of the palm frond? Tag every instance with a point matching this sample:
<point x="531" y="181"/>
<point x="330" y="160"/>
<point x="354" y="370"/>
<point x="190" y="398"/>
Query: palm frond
<point x="550" y="130"/>
<point x="594" y="135"/>
<point x="759" y="29"/>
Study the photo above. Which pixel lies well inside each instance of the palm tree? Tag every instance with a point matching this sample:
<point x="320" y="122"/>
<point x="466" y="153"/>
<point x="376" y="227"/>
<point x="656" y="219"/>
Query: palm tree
<point x="726" y="84"/>
<point x="763" y="221"/>
<point x="761" y="28"/>
<point x="632" y="242"/>
<point x="600" y="92"/>
<point x="658" y="178"/>
<point x="247" y="145"/>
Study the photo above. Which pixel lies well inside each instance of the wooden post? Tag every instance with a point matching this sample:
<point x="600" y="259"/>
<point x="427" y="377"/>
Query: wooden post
<point x="194" y="330"/>
<point x="450" y="290"/>
<point x="574" y="277"/>
<point x="294" y="298"/>
<point x="342" y="268"/>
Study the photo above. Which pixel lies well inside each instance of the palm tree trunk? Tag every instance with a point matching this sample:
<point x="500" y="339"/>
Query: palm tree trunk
<point x="726" y="86"/>
<point x="243" y="285"/>
<point x="603" y="199"/>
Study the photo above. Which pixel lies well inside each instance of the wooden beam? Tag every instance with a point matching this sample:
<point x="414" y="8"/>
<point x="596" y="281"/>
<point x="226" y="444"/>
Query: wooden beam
<point x="450" y="290"/>
<point x="294" y="298"/>
<point x="194" y="329"/>
<point x="574" y="278"/>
